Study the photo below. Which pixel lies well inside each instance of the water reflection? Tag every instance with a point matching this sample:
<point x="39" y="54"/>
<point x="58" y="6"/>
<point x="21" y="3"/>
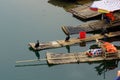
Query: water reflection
<point x="68" y="48"/>
<point x="36" y="53"/>
<point x="105" y="66"/>
<point x="62" y="3"/>
<point x="67" y="4"/>
<point x="83" y="44"/>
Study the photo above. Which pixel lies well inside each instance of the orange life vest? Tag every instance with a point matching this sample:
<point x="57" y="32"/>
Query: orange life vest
<point x="110" y="47"/>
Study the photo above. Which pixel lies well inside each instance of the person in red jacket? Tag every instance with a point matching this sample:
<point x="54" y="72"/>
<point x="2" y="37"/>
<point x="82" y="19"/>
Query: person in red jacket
<point x="109" y="17"/>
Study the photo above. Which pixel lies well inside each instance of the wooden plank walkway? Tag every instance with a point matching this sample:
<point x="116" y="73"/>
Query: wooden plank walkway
<point x="91" y="25"/>
<point x="72" y="41"/>
<point x="79" y="57"/>
<point x="84" y="11"/>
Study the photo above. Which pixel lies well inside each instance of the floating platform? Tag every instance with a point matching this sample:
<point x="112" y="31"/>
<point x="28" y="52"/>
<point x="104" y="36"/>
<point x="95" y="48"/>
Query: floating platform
<point x="67" y="58"/>
<point x="72" y="41"/>
<point x="84" y="11"/>
<point x="79" y="57"/>
<point x="91" y="25"/>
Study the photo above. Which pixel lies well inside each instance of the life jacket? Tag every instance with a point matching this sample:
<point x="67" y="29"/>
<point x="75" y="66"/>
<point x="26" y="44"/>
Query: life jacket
<point x="109" y="47"/>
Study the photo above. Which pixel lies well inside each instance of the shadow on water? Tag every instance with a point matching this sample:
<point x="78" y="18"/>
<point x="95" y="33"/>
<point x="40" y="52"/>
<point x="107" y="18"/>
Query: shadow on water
<point x="104" y="66"/>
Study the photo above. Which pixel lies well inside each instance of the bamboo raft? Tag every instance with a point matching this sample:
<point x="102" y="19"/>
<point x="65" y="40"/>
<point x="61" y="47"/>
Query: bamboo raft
<point x="67" y="58"/>
<point x="91" y="25"/>
<point x="84" y="11"/>
<point x="72" y="41"/>
<point x="79" y="57"/>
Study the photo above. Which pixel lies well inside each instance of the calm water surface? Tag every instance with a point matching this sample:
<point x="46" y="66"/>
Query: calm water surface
<point x="24" y="21"/>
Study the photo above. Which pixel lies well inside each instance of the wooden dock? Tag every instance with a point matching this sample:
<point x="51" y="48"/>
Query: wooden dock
<point x="91" y="25"/>
<point x="72" y="41"/>
<point x="84" y="11"/>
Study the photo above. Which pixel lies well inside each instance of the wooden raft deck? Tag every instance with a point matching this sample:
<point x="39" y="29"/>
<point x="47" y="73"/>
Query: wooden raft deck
<point x="72" y="41"/>
<point x="91" y="25"/>
<point x="80" y="57"/>
<point x="84" y="11"/>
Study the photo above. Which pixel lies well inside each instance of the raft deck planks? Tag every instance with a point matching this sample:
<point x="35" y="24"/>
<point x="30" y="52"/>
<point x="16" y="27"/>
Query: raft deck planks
<point x="84" y="11"/>
<point x="72" y="41"/>
<point x="80" y="57"/>
<point x="91" y="25"/>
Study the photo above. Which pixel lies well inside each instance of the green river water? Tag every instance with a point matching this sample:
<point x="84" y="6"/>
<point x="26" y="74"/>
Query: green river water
<point x="24" y="21"/>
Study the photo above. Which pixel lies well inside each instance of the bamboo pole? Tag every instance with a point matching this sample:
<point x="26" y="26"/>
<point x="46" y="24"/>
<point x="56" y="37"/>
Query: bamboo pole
<point x="32" y="60"/>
